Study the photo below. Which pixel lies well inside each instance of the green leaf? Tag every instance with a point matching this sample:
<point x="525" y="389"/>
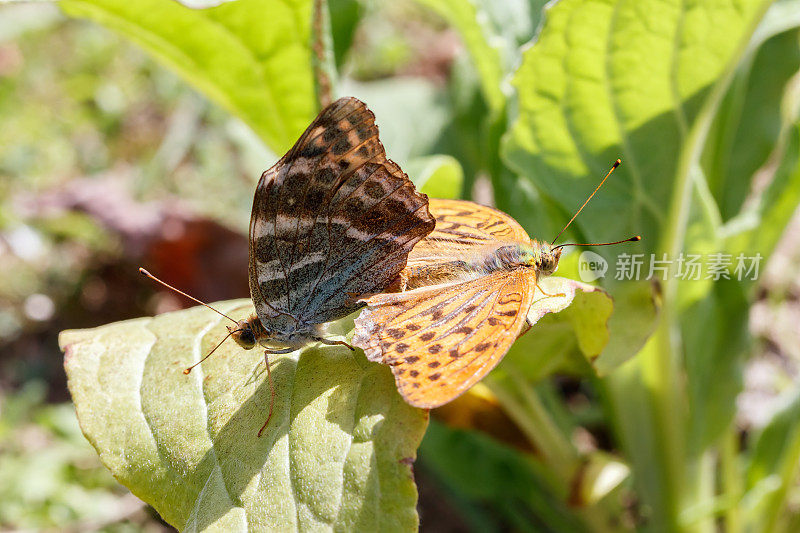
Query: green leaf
<point x="617" y="336"/>
<point x="636" y="309"/>
<point x="608" y="79"/>
<point x="438" y="176"/>
<point x="750" y="121"/>
<point x="640" y="80"/>
<point x="504" y="480"/>
<point x="336" y="453"/>
<point x="253" y="57"/>
<point x="772" y="467"/>
<point x="715" y="342"/>
<point x="473" y="27"/>
<point x="576" y="330"/>
<point x="758" y="229"/>
<point x="345" y="16"/>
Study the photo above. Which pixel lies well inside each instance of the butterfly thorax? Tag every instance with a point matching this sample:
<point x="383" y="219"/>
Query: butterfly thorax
<point x="537" y="256"/>
<point x="482" y="262"/>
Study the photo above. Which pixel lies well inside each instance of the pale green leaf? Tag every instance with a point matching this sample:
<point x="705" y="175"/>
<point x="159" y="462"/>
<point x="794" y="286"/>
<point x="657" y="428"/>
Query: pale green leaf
<point x="336" y="455"/>
<point x="472" y="25"/>
<point x="438" y="176"/>
<point x="615" y="78"/>
<point x="253" y="57"/>
<point x="577" y="325"/>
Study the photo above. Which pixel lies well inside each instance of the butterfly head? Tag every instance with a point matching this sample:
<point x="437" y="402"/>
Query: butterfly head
<point x="540" y="256"/>
<point x="548" y="259"/>
<point x="247" y="333"/>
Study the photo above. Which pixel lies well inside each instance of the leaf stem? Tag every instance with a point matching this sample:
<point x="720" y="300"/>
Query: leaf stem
<point x="557" y="453"/>
<point x="731" y="480"/>
<point x="664" y="371"/>
<point x="524" y="406"/>
<point x="322" y="55"/>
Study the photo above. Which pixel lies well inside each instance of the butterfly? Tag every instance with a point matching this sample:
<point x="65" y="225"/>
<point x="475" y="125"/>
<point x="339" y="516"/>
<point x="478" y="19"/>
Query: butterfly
<point x="468" y="288"/>
<point x="333" y="220"/>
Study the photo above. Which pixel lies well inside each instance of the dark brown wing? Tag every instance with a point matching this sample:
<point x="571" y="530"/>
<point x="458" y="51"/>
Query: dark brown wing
<point x="332" y="220"/>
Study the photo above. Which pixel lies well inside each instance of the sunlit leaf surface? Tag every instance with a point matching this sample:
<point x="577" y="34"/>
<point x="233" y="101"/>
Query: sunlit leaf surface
<point x="337" y="453"/>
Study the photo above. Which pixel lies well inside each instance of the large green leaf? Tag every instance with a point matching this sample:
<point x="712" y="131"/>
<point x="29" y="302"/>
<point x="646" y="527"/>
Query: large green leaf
<point x="620" y="78"/>
<point x="336" y="455"/>
<point x="253" y="57"/>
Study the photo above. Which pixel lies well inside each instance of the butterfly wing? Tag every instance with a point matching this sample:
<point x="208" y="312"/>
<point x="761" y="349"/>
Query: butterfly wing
<point x="442" y="340"/>
<point x="461" y="227"/>
<point x="332" y="220"/>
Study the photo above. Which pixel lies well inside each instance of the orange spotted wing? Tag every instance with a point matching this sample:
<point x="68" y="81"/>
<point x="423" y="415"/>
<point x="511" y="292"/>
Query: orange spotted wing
<point x="442" y="339"/>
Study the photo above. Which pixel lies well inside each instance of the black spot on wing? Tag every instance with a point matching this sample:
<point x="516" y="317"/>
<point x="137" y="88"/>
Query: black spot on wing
<point x="312" y="151"/>
<point x="395" y="333"/>
<point x="332" y="131"/>
<point x="341" y="146"/>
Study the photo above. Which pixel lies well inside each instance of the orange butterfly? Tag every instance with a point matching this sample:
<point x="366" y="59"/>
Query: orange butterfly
<point x="470" y="284"/>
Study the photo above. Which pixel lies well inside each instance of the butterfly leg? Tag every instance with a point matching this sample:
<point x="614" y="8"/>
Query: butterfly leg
<point x="267" y="353"/>
<point x="329" y="342"/>
<point x="560" y="294"/>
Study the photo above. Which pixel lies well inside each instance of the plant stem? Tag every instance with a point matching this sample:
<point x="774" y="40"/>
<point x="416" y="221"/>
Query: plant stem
<point x="731" y="480"/>
<point x="322" y="56"/>
<point x="664" y="372"/>
<point x="558" y="455"/>
<point x="523" y="405"/>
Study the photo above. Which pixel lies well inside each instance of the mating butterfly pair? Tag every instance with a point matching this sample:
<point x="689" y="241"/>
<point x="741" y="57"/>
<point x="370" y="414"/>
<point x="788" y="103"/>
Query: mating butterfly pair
<point x="335" y="224"/>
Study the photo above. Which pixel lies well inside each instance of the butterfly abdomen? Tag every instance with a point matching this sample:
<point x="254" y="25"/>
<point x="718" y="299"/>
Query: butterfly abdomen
<point x="480" y="263"/>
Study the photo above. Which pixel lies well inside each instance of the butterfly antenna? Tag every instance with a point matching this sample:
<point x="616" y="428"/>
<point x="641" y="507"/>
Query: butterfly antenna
<point x="617" y="163"/>
<point x="167" y="285"/>
<point x="186" y="371"/>
<point x="632" y="239"/>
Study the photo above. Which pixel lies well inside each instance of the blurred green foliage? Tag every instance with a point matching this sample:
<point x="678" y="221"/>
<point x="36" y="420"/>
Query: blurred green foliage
<point x="49" y="478"/>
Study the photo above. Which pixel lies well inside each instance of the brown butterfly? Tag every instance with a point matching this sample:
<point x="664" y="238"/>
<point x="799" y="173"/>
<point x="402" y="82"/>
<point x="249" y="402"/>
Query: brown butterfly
<point x="333" y="220"/>
<point x="470" y="284"/>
